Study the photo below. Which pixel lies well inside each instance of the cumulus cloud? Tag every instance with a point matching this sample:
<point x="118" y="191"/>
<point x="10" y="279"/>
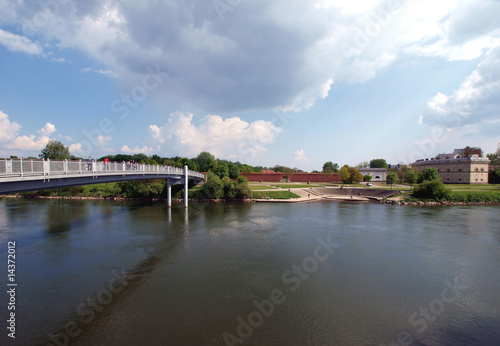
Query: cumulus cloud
<point x="300" y="156"/>
<point x="12" y="140"/>
<point x="107" y="73"/>
<point x="137" y="150"/>
<point x="8" y="129"/>
<point x="287" y="57"/>
<point x="18" y="43"/>
<point x="475" y="101"/>
<point x="229" y="138"/>
<point x="47" y="130"/>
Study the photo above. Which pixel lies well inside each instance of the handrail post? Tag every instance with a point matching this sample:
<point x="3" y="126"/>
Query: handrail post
<point x="31" y="165"/>
<point x="65" y="166"/>
<point x="21" y="166"/>
<point x="48" y="166"/>
<point x="80" y="167"/>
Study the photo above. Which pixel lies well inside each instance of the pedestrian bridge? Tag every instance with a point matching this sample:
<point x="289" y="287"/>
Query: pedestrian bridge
<point x="18" y="175"/>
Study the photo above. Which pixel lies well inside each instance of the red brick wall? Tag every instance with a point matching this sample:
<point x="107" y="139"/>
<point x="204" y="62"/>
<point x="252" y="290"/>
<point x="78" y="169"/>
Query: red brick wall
<point x="268" y="177"/>
<point x="293" y="177"/>
<point x="314" y="177"/>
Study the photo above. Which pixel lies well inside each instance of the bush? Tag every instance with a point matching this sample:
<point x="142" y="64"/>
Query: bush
<point x="213" y="188"/>
<point x="433" y="189"/>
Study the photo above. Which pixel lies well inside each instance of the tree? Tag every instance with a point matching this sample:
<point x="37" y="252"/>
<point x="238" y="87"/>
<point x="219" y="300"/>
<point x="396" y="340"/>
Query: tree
<point x="345" y="174"/>
<point x="392" y="177"/>
<point x="206" y="161"/>
<point x="378" y="163"/>
<point x="192" y="165"/>
<point x="55" y="150"/>
<point x="213" y="188"/>
<point x="350" y="175"/>
<point x="234" y="172"/>
<point x="430" y="174"/>
<point x="356" y="175"/>
<point x="330" y="167"/>
<point x="368" y="178"/>
<point x="363" y="164"/>
<point x="411" y="177"/>
<point x="221" y="169"/>
<point x="494" y="177"/>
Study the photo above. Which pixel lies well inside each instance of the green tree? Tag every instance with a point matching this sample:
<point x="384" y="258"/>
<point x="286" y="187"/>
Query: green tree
<point x="213" y="188"/>
<point x="55" y="150"/>
<point x="411" y="177"/>
<point x="363" y="164"/>
<point x="329" y="167"/>
<point x="368" y="178"/>
<point x="221" y="169"/>
<point x="356" y="176"/>
<point x="430" y="174"/>
<point x="494" y="176"/>
<point x="141" y="158"/>
<point x="350" y="175"/>
<point x="378" y="163"/>
<point x="345" y="174"/>
<point x="392" y="177"/>
<point x="234" y="172"/>
<point x="228" y="188"/>
<point x="206" y="161"/>
<point x="192" y="165"/>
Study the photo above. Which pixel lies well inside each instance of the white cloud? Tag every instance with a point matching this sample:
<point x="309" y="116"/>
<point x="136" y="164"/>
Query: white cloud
<point x="18" y="43"/>
<point x="28" y="143"/>
<point x="476" y="100"/>
<point x="8" y="129"/>
<point x="136" y="150"/>
<point x="229" y="138"/>
<point x="300" y="156"/>
<point x="102" y="140"/>
<point x="9" y="138"/>
<point x="47" y="130"/>
<point x="107" y="73"/>
<point x="286" y="58"/>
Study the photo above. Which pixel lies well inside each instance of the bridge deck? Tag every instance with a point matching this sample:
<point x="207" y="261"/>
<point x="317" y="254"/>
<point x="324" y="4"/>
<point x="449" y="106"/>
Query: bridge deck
<point x="17" y="175"/>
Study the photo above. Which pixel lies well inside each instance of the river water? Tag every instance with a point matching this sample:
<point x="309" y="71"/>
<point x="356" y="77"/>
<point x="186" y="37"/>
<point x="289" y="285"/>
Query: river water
<point x="322" y="273"/>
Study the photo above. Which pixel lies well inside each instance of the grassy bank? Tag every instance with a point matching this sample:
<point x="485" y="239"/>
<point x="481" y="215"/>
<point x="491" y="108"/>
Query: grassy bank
<point x="273" y="194"/>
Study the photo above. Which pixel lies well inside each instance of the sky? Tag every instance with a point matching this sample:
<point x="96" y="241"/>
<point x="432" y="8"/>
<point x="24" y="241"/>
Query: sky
<point x="260" y="82"/>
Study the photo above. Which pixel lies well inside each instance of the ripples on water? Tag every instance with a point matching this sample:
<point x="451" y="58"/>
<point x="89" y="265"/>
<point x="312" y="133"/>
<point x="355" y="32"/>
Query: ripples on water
<point x="193" y="275"/>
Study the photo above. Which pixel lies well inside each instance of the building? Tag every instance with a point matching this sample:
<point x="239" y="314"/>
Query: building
<point x="378" y="174"/>
<point x="468" y="151"/>
<point x="456" y="170"/>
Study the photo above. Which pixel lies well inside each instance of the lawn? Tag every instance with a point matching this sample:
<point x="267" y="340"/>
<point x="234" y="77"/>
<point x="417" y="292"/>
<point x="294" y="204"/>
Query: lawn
<point x="254" y="187"/>
<point x="296" y="186"/>
<point x="274" y="194"/>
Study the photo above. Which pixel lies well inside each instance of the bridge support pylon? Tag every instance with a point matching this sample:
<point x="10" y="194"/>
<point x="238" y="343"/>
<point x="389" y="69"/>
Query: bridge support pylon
<point x="169" y="193"/>
<point x="186" y="184"/>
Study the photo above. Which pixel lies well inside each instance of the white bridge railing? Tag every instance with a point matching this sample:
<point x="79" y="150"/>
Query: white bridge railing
<point x="23" y="168"/>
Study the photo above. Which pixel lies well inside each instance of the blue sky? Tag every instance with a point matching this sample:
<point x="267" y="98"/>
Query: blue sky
<point x="259" y="82"/>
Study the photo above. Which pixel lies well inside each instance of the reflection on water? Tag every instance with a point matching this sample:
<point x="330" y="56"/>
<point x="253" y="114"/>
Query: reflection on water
<point x="124" y="273"/>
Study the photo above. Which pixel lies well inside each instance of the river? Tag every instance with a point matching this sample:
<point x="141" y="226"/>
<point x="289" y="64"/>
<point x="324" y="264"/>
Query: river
<point x="322" y="273"/>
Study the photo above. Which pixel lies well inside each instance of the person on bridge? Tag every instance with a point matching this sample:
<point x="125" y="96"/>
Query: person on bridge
<point x="106" y="163"/>
<point x="89" y="163"/>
